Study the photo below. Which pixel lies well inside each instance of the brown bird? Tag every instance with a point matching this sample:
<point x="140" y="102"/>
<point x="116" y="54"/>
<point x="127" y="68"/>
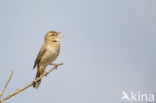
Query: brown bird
<point x="47" y="54"/>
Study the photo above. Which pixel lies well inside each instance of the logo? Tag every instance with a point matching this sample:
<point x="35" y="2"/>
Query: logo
<point x="137" y="96"/>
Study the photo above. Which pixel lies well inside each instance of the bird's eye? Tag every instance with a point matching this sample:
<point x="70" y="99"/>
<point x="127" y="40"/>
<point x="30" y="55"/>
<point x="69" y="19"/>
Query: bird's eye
<point x="52" y="35"/>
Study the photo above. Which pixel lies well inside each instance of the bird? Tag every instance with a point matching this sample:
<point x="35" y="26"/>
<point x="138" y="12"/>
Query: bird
<point x="47" y="54"/>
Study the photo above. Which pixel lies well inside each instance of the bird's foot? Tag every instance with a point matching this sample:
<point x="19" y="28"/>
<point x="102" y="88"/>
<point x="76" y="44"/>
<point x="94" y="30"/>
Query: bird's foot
<point x="55" y="65"/>
<point x="46" y="73"/>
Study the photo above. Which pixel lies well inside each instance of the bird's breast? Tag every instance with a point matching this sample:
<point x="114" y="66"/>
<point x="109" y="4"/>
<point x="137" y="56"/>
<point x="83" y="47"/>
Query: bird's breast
<point x="50" y="55"/>
<point x="52" y="49"/>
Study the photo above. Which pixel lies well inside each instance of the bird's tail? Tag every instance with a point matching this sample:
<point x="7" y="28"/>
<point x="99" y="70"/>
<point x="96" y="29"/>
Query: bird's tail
<point x="37" y="84"/>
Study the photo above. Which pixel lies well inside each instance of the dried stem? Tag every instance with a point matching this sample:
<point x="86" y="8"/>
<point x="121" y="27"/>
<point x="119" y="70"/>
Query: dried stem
<point x="30" y="84"/>
<point x="6" y="83"/>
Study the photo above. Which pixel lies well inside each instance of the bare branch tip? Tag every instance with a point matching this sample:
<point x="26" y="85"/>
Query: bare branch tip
<point x="27" y="86"/>
<point x="6" y="84"/>
<point x="59" y="64"/>
<point x="12" y="71"/>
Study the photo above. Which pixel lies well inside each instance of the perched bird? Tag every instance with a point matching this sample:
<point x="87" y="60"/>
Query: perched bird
<point x="47" y="54"/>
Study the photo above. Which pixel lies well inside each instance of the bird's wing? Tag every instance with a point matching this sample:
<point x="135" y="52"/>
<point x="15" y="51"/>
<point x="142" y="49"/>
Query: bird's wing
<point x="39" y="56"/>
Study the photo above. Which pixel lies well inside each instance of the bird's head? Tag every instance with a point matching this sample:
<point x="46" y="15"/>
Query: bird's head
<point x="52" y="36"/>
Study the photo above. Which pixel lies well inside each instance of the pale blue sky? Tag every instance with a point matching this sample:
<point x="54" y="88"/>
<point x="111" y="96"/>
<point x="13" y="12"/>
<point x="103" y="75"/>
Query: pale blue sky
<point x="109" y="46"/>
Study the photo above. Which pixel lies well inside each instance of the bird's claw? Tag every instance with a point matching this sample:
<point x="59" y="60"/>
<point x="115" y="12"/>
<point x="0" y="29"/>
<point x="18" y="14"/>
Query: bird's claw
<point x="46" y="73"/>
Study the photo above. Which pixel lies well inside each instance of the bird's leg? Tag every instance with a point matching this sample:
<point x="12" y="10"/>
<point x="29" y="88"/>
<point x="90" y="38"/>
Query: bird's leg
<point x="54" y="65"/>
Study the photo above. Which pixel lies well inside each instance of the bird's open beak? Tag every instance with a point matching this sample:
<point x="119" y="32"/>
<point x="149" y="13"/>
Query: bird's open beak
<point x="60" y="33"/>
<point x="60" y="36"/>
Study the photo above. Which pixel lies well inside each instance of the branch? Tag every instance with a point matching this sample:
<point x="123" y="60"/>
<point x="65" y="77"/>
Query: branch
<point x="6" y="83"/>
<point x="30" y="84"/>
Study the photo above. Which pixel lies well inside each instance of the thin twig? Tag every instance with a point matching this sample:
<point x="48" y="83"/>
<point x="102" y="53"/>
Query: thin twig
<point x="6" y="83"/>
<point x="30" y="84"/>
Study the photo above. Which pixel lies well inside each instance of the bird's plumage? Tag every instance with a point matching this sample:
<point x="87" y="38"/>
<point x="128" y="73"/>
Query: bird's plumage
<point x="39" y="56"/>
<point x="47" y="54"/>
